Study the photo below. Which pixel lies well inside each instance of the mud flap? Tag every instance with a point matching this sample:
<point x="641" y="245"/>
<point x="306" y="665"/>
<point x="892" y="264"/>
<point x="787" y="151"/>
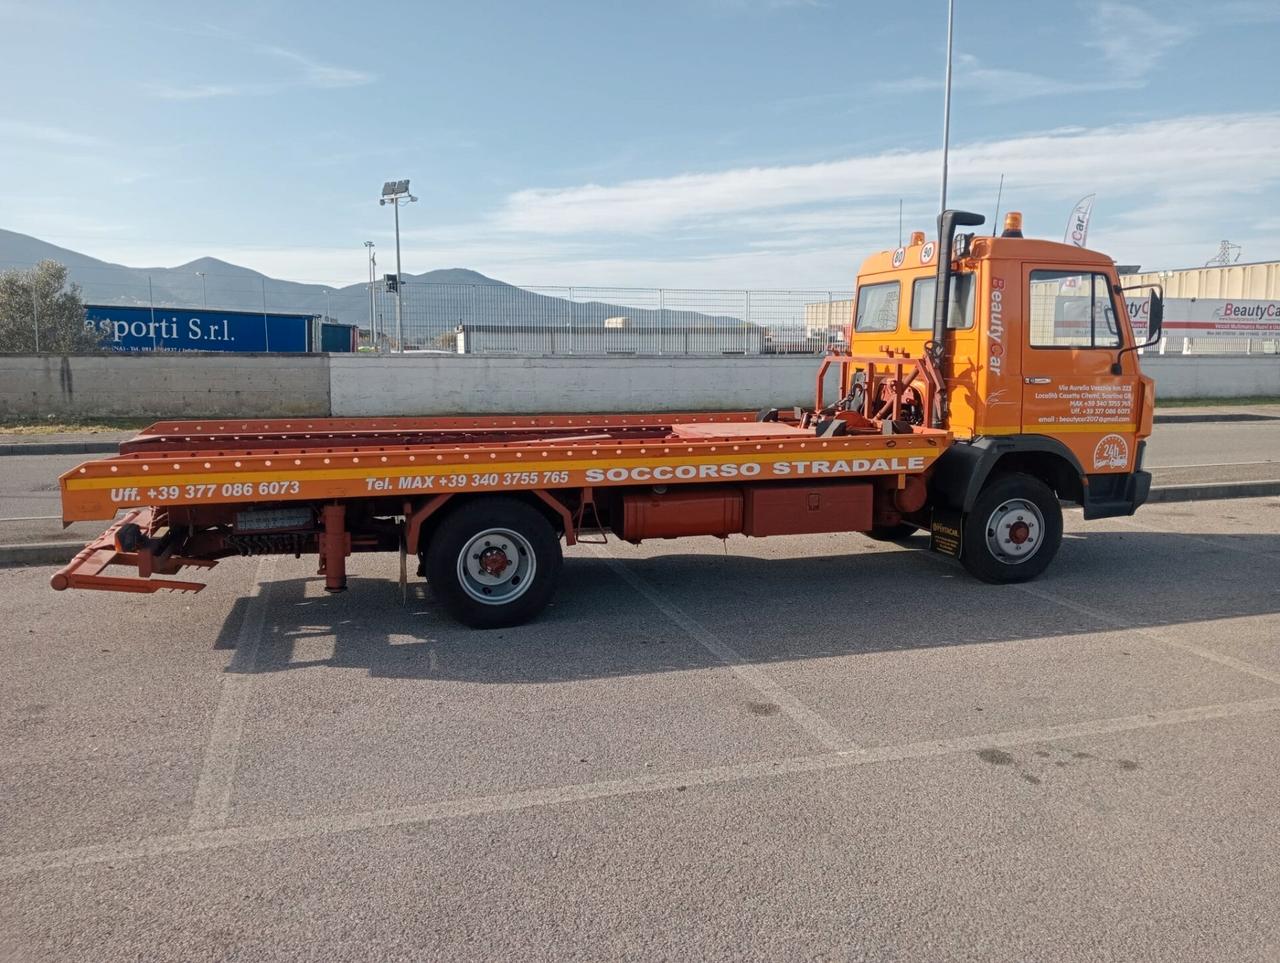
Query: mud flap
<point x="946" y="531"/>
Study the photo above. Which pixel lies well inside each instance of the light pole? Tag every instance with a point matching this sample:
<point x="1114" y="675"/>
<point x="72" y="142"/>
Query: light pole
<point x="327" y="315"/>
<point x="204" y="291"/>
<point x="396" y="193"/>
<point x="373" y="268"/>
<point x="946" y="110"/>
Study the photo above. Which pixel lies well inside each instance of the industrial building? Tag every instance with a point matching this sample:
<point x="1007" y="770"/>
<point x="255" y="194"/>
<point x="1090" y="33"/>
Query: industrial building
<point x="1258" y="281"/>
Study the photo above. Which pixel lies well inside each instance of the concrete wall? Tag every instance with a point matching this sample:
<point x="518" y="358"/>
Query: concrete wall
<point x="1190" y="376"/>
<point x="164" y="385"/>
<point x="435" y="385"/>
<point x="263" y="386"/>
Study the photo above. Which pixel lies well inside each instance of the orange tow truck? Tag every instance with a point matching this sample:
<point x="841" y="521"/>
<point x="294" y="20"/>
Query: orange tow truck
<point x="986" y="380"/>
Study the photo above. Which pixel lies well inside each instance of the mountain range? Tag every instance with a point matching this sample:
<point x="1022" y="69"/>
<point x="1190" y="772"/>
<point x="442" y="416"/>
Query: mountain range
<point x="438" y="300"/>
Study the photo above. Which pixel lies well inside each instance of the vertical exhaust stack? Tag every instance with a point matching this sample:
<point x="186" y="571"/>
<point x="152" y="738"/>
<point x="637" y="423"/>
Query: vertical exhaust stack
<point x="948" y="221"/>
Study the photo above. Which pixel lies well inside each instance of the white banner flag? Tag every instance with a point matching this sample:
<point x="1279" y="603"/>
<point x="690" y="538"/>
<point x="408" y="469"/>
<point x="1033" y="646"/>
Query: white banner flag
<point x="1078" y="224"/>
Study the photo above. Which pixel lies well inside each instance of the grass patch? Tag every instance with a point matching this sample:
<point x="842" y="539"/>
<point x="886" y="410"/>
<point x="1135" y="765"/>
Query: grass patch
<point x="81" y="426"/>
<point x="1214" y="402"/>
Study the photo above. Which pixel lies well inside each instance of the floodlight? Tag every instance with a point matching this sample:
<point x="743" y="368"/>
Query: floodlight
<point x="395" y="193"/>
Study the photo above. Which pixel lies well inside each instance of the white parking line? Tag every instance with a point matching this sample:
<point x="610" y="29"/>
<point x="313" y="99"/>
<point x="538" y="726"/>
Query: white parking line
<point x="222" y="838"/>
<point x="1223" y="543"/>
<point x="1209" y="464"/>
<point x="213" y="791"/>
<point x="1116" y="621"/>
<point x="754" y="676"/>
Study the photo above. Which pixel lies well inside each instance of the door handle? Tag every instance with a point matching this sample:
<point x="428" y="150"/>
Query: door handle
<point x="1037" y="381"/>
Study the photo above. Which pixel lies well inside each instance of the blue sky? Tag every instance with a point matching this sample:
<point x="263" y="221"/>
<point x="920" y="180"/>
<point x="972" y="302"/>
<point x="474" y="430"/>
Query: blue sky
<point x="743" y="143"/>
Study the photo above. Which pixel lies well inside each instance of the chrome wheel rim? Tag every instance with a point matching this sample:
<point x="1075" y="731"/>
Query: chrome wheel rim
<point x="1015" y="531"/>
<point x="496" y="566"/>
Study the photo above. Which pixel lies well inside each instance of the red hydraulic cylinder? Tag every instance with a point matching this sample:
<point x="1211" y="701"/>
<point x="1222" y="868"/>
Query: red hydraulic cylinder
<point x="334" y="548"/>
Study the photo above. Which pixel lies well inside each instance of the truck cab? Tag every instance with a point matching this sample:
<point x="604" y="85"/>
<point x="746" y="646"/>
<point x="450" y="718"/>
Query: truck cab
<point x="1037" y="360"/>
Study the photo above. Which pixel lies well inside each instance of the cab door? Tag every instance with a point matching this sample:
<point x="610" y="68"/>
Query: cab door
<point x="1071" y="342"/>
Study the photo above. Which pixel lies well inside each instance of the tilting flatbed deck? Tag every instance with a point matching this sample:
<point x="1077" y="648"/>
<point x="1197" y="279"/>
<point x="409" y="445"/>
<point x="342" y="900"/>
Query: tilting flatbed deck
<point x="197" y="491"/>
<point x="186" y="465"/>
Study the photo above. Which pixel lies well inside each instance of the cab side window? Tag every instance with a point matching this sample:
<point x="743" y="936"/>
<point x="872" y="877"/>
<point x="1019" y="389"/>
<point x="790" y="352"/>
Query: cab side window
<point x="878" y="307"/>
<point x="1072" y="309"/>
<point x="960" y="311"/>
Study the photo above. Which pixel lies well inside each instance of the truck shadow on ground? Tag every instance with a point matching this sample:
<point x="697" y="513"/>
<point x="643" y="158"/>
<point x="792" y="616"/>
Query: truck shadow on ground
<point x="767" y="610"/>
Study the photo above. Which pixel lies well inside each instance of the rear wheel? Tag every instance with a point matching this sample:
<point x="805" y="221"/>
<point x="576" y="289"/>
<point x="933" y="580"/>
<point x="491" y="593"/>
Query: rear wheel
<point x="1013" y="531"/>
<point x="494" y="562"/>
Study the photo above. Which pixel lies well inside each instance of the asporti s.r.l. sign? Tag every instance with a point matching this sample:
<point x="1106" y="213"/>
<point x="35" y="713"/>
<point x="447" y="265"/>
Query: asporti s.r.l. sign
<point x="187" y="329"/>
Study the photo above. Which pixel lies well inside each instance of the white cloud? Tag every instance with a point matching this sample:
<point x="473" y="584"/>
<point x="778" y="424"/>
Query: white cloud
<point x="1003" y="85"/>
<point x="1235" y="151"/>
<point x="1167" y="192"/>
<point x="18" y="130"/>
<point x="203" y="91"/>
<point x="316" y="74"/>
<point x="303" y="73"/>
<point x="1132" y="40"/>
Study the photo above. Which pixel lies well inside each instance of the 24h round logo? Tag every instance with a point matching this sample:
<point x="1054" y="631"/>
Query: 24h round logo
<point x="1112" y="452"/>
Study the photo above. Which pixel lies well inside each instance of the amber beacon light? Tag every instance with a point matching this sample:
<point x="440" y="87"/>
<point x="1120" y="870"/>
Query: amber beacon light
<point x="1012" y="225"/>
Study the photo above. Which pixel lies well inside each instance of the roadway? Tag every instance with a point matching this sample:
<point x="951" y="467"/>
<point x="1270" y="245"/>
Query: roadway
<point x="1214" y="443"/>
<point x="812" y="747"/>
<point x="1177" y="453"/>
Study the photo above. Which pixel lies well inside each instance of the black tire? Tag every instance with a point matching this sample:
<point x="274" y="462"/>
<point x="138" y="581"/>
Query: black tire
<point x="892" y="533"/>
<point x="1013" y="531"/>
<point x="516" y="536"/>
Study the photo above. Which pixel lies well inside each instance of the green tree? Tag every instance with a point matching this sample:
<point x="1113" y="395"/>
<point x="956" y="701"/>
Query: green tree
<point x="40" y="311"/>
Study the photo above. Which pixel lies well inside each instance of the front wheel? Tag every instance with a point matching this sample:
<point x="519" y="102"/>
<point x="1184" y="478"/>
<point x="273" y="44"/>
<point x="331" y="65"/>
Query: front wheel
<point x="1013" y="531"/>
<point x="494" y="562"/>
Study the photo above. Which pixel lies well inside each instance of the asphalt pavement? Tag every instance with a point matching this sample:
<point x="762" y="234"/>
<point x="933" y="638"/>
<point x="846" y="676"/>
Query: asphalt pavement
<point x="816" y="747"/>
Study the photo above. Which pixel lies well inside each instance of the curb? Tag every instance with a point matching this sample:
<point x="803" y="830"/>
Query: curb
<point x="1197" y="492"/>
<point x="62" y="448"/>
<point x="59" y="553"/>
<point x="1210" y="418"/>
<point x="39" y="553"/>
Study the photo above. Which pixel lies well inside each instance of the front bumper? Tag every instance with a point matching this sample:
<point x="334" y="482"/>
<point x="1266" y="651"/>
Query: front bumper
<point x="1111" y="496"/>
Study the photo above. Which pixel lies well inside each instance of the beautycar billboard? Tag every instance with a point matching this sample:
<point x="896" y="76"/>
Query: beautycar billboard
<point x="1210" y="318"/>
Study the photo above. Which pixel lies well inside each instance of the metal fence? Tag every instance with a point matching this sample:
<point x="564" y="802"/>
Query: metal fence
<point x="498" y="319"/>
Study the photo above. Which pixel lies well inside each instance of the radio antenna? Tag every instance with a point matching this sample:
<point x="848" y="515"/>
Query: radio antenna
<point x="999" y="194"/>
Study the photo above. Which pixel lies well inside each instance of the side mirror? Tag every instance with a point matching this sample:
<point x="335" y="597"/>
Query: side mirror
<point x="1156" y="319"/>
<point x="1155" y="322"/>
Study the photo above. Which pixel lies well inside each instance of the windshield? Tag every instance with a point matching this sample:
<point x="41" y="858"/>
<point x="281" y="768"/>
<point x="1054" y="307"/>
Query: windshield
<point x="878" y="307"/>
